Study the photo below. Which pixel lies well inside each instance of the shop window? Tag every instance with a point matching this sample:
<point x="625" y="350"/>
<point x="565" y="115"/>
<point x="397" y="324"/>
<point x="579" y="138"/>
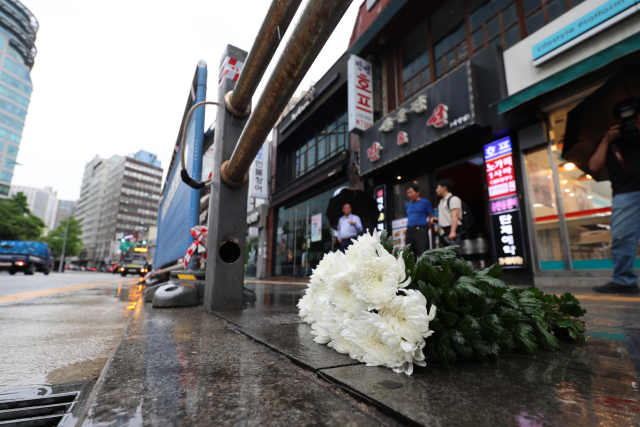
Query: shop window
<point x="416" y="70"/>
<point x="587" y="205"/>
<point x="544" y="209"/>
<point x="450" y="37"/>
<point x="493" y="22"/>
<point x="539" y="13"/>
<point x="296" y="252"/>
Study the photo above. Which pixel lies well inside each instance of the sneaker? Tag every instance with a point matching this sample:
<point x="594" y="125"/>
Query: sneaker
<point x="616" y="288"/>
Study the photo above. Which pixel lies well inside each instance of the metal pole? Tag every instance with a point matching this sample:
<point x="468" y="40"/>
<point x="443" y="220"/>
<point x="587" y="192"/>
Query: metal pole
<point x="64" y="246"/>
<point x="275" y="24"/>
<point x="318" y="21"/>
<point x="198" y="140"/>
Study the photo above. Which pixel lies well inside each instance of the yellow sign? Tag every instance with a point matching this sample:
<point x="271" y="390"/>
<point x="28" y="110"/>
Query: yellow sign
<point x="140" y="249"/>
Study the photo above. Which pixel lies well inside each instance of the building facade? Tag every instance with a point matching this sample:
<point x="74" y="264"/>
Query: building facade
<point x="311" y="153"/>
<point x="130" y="205"/>
<point x="90" y="205"/>
<point x="43" y="203"/>
<point x="481" y="93"/>
<point x="567" y="77"/>
<point x="66" y="208"/>
<point x="18" y="28"/>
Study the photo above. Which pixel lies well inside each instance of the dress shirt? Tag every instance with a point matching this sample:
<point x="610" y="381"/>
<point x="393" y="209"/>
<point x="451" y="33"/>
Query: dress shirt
<point x="346" y="230"/>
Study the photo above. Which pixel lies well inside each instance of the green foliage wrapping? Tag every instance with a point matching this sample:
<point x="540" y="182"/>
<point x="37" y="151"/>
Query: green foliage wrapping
<point x="478" y="316"/>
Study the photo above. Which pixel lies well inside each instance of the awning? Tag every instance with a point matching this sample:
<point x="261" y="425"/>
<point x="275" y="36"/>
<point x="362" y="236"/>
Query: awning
<point x="571" y="73"/>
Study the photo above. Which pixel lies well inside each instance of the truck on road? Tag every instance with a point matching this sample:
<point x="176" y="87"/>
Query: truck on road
<point x="27" y="257"/>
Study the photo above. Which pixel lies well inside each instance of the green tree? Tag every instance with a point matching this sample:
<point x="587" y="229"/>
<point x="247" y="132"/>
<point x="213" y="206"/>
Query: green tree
<point x="16" y="220"/>
<point x="55" y="239"/>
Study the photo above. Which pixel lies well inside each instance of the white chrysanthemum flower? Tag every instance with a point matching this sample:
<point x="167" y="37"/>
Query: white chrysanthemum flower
<point x="409" y="318"/>
<point x="341" y="294"/>
<point x="379" y="280"/>
<point x="307" y="307"/>
<point x="375" y="343"/>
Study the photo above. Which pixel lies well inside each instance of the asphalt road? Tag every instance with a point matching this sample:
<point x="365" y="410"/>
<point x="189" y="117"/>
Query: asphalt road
<point x="20" y="283"/>
<point x="61" y="328"/>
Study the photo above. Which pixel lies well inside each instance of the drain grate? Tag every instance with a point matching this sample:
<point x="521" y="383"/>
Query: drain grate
<point x="41" y="411"/>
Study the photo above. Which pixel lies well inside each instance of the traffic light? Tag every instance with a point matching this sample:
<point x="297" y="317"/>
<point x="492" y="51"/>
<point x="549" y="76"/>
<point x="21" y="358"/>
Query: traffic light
<point x="122" y="240"/>
<point x="144" y="242"/>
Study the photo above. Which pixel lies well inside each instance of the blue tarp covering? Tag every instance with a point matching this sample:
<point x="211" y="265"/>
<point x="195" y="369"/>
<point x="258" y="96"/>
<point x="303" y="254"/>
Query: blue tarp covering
<point x="23" y="248"/>
<point x="173" y="218"/>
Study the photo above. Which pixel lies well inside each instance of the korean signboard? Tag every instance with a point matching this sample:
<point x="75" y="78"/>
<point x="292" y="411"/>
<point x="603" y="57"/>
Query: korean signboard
<point x="498" y="160"/>
<point x="360" y="94"/>
<point x="316" y="228"/>
<point x="380" y="194"/>
<point x="259" y="174"/>
<point x="506" y="229"/>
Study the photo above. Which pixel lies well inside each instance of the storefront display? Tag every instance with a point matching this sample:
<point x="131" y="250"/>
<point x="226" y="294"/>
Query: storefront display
<point x="300" y="246"/>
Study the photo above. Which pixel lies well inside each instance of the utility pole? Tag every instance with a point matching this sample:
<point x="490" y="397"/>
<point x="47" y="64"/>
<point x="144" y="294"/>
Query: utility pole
<point x="64" y="246"/>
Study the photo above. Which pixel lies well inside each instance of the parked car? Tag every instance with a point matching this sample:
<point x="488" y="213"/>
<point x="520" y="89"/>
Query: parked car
<point x="27" y="257"/>
<point x="133" y="266"/>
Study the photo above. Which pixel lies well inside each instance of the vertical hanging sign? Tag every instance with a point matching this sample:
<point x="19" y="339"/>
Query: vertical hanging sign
<point x="360" y="84"/>
<point x="498" y="160"/>
<point x="504" y="206"/>
<point x="380" y="194"/>
<point x="258" y="175"/>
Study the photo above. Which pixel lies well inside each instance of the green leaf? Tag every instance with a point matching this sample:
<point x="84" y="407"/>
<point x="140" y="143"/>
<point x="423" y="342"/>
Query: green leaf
<point x="387" y="241"/>
<point x="451" y="298"/>
<point x="409" y="261"/>
<point x="494" y="271"/>
<point x="426" y="271"/>
<point x="464" y="288"/>
<point x="461" y="267"/>
<point x="524" y="339"/>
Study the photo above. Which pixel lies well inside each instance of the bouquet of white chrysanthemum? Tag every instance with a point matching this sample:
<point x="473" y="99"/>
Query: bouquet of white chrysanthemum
<point x="358" y="305"/>
<point x="371" y="303"/>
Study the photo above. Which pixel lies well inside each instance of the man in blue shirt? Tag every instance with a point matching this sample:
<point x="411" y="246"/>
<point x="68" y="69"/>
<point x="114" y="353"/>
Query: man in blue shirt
<point x="349" y="227"/>
<point x="420" y="219"/>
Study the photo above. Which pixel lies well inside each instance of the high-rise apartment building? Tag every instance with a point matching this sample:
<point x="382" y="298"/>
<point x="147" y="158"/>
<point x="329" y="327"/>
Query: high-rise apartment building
<point x="90" y="204"/>
<point x="43" y="203"/>
<point x="119" y="198"/>
<point x="66" y="208"/>
<point x="18" y="28"/>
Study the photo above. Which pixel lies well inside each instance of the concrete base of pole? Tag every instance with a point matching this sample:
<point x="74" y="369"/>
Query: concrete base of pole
<point x="175" y="295"/>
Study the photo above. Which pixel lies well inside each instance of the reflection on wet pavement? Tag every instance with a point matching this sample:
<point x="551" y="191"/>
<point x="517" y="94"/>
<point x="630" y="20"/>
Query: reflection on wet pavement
<point x="185" y="367"/>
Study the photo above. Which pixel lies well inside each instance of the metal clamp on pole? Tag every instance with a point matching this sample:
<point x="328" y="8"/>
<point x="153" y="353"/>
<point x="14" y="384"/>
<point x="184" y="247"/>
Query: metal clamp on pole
<point x="317" y="22"/>
<point x="275" y="24"/>
<point x="183" y="173"/>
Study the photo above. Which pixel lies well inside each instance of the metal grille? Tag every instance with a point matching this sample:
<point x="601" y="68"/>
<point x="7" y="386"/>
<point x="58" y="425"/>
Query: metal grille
<point x="44" y="411"/>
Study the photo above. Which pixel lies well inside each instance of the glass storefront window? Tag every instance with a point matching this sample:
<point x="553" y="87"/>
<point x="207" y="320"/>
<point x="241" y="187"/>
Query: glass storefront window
<point x="295" y="253"/>
<point x="544" y="211"/>
<point x="586" y="202"/>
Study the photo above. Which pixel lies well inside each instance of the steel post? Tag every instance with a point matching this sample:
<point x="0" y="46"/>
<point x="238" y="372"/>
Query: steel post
<point x="227" y="210"/>
<point x="317" y="22"/>
<point x="275" y="24"/>
<point x="198" y="140"/>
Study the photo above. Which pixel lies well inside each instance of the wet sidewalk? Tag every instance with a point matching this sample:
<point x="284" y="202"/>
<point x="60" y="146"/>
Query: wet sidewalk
<point x="259" y="366"/>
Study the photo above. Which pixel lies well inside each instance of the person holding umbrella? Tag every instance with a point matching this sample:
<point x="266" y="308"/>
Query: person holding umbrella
<point x="349" y="226"/>
<point x="619" y="151"/>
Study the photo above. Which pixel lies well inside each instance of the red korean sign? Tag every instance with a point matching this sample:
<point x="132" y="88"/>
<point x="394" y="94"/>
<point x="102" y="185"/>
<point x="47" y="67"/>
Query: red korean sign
<point x="360" y="93"/>
<point x="498" y="160"/>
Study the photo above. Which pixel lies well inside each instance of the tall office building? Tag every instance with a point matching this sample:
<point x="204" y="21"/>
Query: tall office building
<point x="119" y="197"/>
<point x="43" y="203"/>
<point x="18" y="28"/>
<point x="66" y="208"/>
<point x="90" y="204"/>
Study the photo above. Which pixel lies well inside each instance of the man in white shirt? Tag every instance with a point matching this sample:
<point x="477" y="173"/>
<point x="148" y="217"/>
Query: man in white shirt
<point x="449" y="213"/>
<point x="349" y="227"/>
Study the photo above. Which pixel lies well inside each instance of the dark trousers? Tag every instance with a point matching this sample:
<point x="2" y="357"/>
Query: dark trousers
<point x="445" y="241"/>
<point x="346" y="243"/>
<point x="418" y="238"/>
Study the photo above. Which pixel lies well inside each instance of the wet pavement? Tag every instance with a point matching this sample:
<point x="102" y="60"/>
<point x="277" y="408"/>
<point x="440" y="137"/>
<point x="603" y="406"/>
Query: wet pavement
<point x="60" y="343"/>
<point x="259" y="366"/>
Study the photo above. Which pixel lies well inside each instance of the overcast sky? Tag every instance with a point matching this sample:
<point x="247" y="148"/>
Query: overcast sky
<point x="113" y="77"/>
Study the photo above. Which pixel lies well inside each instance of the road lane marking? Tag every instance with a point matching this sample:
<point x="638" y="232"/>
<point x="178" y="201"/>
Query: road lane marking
<point x="268" y="282"/>
<point x="45" y="292"/>
<point x="606" y="298"/>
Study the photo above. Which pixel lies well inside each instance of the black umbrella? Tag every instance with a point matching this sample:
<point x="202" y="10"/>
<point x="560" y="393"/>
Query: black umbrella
<point x="589" y="121"/>
<point x="361" y="204"/>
